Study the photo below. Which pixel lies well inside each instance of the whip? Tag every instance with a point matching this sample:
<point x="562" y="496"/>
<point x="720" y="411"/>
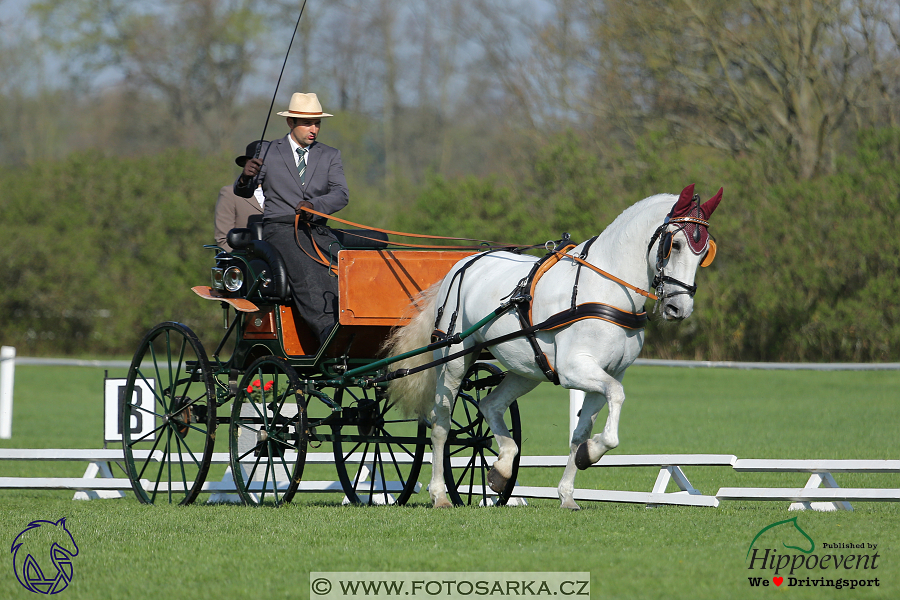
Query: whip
<point x="278" y="84"/>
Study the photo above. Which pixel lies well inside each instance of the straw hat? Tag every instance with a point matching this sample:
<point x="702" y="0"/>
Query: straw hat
<point x="304" y="106"/>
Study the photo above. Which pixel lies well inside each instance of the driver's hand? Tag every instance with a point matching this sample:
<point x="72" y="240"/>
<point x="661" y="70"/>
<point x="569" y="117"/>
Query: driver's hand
<point x="251" y="169"/>
<point x="305" y="216"/>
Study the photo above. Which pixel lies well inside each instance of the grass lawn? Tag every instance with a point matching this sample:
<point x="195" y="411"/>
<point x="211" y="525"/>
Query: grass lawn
<point x="222" y="551"/>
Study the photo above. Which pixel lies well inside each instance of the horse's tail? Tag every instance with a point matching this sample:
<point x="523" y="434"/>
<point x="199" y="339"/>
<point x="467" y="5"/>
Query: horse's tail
<point x="414" y="394"/>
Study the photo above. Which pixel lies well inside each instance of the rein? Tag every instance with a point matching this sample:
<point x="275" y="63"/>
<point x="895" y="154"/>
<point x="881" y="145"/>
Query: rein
<point x="482" y="243"/>
<point x="585" y="263"/>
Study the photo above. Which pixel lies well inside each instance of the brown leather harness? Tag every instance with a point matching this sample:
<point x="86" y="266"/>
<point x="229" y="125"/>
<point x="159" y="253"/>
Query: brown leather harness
<point x="522" y="296"/>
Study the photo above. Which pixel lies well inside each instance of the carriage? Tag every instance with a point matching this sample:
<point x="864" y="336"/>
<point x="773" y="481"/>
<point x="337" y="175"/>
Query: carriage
<point x="558" y="323"/>
<point x="277" y="394"/>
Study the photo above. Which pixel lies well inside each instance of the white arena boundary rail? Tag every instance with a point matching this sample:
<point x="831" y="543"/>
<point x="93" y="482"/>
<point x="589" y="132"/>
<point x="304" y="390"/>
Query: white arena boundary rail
<point x="821" y="491"/>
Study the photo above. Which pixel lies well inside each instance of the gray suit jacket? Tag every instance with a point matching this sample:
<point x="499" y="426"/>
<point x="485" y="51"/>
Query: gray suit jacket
<point x="325" y="187"/>
<point x="233" y="211"/>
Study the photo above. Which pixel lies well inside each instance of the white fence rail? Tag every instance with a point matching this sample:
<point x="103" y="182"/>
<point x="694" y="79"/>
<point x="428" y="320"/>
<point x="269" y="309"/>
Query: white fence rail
<point x="98" y="481"/>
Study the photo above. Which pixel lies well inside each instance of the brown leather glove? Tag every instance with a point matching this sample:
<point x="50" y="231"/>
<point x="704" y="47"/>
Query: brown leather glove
<point x="304" y="216"/>
<point x="251" y="169"/>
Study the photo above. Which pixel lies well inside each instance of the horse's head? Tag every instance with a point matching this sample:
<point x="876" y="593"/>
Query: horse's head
<point x="52" y="533"/>
<point x="680" y="245"/>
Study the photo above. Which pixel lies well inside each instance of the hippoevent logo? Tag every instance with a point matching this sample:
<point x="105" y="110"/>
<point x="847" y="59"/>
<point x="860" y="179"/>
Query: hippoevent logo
<point x="783" y="554"/>
<point x="42" y="556"/>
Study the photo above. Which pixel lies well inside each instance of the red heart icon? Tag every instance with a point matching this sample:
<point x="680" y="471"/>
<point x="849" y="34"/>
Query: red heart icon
<point x="778" y="580"/>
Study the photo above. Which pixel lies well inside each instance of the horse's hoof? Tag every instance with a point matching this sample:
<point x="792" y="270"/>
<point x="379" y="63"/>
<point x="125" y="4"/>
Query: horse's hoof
<point x="497" y="481"/>
<point x="570" y="504"/>
<point x="582" y="458"/>
<point x="443" y="503"/>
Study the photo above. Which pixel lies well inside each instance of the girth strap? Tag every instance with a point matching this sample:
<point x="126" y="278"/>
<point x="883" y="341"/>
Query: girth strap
<point x="596" y="310"/>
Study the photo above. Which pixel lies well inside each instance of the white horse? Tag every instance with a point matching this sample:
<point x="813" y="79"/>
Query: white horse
<point x="658" y="242"/>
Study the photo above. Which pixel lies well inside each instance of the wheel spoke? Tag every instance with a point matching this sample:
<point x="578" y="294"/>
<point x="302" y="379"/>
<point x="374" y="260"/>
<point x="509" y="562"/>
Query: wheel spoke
<point x="362" y="463"/>
<point x="149" y="458"/>
<point x="384" y="480"/>
<point x="181" y="462"/>
<point x="352" y="450"/>
<point x="144" y="437"/>
<point x="179" y="440"/>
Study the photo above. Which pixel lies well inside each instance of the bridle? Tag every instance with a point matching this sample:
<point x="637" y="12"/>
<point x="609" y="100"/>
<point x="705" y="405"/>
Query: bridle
<point x="664" y="250"/>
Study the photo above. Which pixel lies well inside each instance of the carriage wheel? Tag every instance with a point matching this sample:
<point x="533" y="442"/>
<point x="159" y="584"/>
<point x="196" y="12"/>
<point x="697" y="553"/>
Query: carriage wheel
<point x="267" y="433"/>
<point x="470" y="441"/>
<point x="379" y="455"/>
<point x="168" y="416"/>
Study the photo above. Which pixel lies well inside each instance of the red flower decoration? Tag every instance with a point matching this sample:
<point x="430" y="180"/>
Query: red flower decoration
<point x="268" y="386"/>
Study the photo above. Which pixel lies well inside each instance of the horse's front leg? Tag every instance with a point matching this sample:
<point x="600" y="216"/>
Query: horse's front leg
<point x="600" y="388"/>
<point x="592" y="449"/>
<point x="493" y="407"/>
<point x="591" y="405"/>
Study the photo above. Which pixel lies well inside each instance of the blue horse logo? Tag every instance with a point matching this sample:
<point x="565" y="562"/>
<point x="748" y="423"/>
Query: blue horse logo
<point x="37" y="540"/>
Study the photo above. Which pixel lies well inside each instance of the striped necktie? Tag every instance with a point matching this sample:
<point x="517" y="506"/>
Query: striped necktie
<point x="301" y="166"/>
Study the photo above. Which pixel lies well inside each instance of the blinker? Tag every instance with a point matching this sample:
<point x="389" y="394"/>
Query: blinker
<point x="665" y="245"/>
<point x="710" y="254"/>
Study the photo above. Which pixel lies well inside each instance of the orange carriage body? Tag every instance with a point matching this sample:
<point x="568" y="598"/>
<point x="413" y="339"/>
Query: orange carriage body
<point x="376" y="288"/>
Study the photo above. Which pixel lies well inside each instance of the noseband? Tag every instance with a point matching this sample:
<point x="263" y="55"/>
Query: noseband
<point x="664" y="249"/>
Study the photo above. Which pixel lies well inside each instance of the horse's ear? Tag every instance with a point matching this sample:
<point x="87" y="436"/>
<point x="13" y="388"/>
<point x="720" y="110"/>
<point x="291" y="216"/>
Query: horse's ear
<point x="710" y="205"/>
<point x="684" y="201"/>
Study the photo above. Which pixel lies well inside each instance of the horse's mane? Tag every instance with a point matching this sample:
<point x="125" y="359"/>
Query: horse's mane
<point x="638" y="218"/>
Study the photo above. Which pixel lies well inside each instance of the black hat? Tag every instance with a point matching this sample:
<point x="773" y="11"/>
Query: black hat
<point x="249" y="153"/>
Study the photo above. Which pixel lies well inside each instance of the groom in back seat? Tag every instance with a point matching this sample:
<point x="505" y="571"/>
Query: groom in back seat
<point x="299" y="172"/>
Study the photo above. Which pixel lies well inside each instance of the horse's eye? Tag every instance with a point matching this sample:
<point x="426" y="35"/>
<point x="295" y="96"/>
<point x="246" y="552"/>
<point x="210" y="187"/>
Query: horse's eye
<point x="676" y="246"/>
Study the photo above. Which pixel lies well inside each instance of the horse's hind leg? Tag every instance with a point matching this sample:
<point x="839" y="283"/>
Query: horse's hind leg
<point x="449" y="378"/>
<point x="493" y="407"/>
<point x="591" y="406"/>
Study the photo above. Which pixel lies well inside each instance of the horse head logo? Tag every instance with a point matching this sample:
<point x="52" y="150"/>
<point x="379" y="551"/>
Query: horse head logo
<point x="787" y="531"/>
<point x="38" y="540"/>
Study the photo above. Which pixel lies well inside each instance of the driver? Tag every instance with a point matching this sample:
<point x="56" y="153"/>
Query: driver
<point x="298" y="171"/>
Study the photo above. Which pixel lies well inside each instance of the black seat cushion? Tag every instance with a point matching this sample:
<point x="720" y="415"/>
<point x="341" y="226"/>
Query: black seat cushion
<point x="350" y="238"/>
<point x="239" y="238"/>
<point x="255" y="225"/>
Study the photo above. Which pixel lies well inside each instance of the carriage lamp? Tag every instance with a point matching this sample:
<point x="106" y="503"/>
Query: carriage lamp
<point x="233" y="279"/>
<point x="217" y="275"/>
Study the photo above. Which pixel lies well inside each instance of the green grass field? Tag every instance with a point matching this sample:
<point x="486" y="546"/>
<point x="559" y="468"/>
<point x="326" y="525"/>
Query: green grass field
<point x="223" y="551"/>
